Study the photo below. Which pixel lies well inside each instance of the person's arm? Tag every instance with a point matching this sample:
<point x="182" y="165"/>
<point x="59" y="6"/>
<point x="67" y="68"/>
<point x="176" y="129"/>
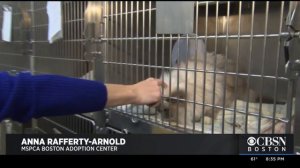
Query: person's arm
<point x="145" y="92"/>
<point x="25" y="96"/>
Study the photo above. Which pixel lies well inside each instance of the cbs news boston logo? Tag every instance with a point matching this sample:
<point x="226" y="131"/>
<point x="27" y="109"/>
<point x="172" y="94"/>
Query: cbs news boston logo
<point x="266" y="144"/>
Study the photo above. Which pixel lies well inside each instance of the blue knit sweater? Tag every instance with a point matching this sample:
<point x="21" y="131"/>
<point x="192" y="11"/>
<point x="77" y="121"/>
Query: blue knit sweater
<point x="25" y="96"/>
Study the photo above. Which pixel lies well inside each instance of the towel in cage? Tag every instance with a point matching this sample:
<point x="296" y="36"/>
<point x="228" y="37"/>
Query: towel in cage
<point x="252" y="116"/>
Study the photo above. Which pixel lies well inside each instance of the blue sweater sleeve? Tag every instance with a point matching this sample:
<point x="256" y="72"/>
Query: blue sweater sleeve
<point x="25" y="96"/>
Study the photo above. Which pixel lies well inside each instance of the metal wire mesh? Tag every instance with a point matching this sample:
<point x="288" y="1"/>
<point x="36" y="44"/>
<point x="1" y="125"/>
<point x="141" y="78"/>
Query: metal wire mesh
<point x="65" y="56"/>
<point x="247" y="32"/>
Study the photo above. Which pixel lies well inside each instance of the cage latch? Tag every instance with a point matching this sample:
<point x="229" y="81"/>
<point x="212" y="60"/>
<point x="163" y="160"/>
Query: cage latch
<point x="292" y="68"/>
<point x="292" y="34"/>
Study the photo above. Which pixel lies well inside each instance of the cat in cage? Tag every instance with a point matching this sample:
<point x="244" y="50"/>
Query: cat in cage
<point x="185" y="88"/>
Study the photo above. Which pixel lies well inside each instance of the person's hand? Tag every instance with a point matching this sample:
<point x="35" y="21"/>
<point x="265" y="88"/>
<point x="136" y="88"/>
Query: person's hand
<point x="147" y="91"/>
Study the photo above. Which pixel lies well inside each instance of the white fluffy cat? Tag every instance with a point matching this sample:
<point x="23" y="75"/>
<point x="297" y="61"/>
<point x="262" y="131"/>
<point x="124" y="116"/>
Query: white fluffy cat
<point x="182" y="85"/>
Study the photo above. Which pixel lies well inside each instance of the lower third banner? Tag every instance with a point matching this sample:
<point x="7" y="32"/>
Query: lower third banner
<point x="174" y="144"/>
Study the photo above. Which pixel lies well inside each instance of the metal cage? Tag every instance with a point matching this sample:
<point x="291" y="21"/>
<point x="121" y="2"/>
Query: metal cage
<point x="252" y="34"/>
<point x="249" y="46"/>
<point x="65" y="56"/>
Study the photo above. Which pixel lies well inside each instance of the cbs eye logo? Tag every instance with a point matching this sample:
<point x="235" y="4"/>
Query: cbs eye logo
<point x="251" y="141"/>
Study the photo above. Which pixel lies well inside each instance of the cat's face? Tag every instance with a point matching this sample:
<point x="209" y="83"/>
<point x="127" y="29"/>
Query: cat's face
<point x="177" y="104"/>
